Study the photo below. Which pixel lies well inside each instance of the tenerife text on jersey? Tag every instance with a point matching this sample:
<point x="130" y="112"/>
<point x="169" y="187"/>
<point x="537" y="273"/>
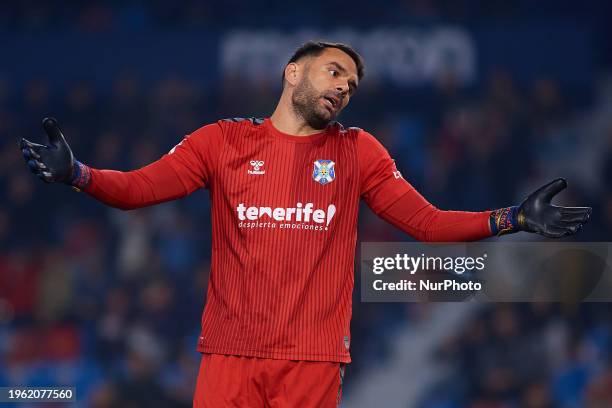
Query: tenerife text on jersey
<point x="302" y="216"/>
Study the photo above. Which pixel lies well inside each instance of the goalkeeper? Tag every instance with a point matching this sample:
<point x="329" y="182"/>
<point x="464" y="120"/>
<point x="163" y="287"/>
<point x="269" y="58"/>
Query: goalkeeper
<point x="276" y="325"/>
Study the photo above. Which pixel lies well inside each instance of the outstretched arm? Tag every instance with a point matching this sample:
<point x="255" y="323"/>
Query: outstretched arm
<point x="187" y="167"/>
<point x="396" y="201"/>
<point x="414" y="215"/>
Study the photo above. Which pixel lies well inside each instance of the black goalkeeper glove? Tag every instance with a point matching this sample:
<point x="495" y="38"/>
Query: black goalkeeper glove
<point x="537" y="214"/>
<point x="54" y="163"/>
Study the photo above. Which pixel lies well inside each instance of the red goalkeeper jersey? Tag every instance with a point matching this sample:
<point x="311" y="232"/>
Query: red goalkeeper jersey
<point x="284" y="228"/>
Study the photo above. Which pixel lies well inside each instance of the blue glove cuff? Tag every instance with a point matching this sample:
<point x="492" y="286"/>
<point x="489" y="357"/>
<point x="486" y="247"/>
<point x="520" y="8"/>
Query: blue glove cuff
<point x="81" y="175"/>
<point x="504" y="220"/>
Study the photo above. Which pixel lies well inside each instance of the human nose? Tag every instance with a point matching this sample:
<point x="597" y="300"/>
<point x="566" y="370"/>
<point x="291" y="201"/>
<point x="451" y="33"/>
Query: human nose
<point x="343" y="88"/>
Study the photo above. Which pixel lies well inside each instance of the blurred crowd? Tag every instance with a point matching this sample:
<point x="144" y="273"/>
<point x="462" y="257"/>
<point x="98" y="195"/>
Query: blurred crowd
<point x="531" y="356"/>
<point x="96" y="16"/>
<point x="110" y="301"/>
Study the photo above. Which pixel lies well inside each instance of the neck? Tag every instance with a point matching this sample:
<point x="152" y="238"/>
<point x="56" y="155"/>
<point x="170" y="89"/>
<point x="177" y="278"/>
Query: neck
<point x="287" y="121"/>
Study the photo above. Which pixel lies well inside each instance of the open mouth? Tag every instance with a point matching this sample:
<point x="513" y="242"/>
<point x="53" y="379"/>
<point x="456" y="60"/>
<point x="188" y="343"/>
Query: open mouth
<point x="330" y="103"/>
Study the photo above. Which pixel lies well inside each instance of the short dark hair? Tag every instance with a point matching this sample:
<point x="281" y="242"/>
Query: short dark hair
<point x="315" y="48"/>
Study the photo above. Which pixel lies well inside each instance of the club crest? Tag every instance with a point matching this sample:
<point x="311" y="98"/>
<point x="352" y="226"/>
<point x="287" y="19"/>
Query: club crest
<point x="324" y="171"/>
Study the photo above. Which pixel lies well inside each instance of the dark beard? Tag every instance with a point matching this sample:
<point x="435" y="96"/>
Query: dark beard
<point x="305" y="102"/>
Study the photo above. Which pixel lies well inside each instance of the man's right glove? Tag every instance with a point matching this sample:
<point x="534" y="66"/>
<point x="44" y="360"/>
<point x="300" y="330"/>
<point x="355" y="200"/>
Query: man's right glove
<point x="537" y="214"/>
<point x="54" y="162"/>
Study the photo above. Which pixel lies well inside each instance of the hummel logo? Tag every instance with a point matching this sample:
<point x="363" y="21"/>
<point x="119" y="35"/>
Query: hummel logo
<point x="257" y="165"/>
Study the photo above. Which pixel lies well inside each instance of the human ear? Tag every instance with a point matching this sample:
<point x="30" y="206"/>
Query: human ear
<point x="292" y="73"/>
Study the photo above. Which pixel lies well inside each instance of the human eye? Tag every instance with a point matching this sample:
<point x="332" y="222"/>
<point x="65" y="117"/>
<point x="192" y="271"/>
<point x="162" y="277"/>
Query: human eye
<point x="333" y="72"/>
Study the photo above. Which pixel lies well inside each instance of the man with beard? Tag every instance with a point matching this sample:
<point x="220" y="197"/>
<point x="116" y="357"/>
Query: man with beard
<point x="285" y="194"/>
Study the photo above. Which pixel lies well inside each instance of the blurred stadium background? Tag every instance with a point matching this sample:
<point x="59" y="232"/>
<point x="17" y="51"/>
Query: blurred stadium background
<point x="478" y="101"/>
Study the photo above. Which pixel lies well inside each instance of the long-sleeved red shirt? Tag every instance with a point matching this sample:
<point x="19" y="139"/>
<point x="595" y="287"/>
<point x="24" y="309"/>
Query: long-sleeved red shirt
<point x="284" y="228"/>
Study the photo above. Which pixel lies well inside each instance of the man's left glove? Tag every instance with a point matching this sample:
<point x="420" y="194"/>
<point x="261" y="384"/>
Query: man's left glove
<point x="54" y="163"/>
<point x="537" y="214"/>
